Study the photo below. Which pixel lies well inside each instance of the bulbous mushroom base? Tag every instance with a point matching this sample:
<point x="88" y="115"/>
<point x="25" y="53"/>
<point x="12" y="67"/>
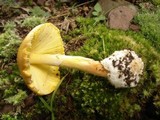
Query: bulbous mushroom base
<point x="125" y="68"/>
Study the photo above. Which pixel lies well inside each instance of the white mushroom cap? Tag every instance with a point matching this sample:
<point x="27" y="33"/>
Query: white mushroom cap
<point x="125" y="68"/>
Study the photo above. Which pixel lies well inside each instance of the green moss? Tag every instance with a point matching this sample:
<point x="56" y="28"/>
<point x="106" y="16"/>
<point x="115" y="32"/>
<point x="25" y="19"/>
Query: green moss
<point x="94" y="96"/>
<point x="156" y="2"/>
<point x="11" y="85"/>
<point x="150" y="26"/>
<point x="32" y="21"/>
<point x="10" y="117"/>
<point x="9" y="42"/>
<point x="18" y="98"/>
<point x="38" y="12"/>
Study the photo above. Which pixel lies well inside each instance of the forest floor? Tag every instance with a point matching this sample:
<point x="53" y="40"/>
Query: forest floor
<point x="17" y="102"/>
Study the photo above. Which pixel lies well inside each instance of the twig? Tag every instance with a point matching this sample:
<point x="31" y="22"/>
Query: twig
<point x="85" y="3"/>
<point x="67" y="12"/>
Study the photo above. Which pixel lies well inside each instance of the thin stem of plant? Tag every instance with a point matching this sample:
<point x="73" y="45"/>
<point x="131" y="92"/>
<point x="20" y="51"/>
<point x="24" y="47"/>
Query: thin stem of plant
<point x="53" y="97"/>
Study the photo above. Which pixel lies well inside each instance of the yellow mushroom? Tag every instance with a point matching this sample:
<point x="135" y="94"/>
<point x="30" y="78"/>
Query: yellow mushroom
<point x="42" y="52"/>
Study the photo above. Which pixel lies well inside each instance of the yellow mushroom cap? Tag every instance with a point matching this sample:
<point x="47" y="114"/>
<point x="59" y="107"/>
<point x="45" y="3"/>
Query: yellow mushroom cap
<point x="43" y="39"/>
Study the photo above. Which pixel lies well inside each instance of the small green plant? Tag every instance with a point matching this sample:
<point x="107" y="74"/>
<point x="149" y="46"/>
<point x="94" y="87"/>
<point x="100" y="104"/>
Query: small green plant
<point x="8" y="8"/>
<point x="9" y="3"/>
<point x="38" y="12"/>
<point x="33" y="21"/>
<point x="51" y="105"/>
<point x="9" y="42"/>
<point x="17" y="98"/>
<point x="10" y="25"/>
<point x="98" y="13"/>
<point x="9" y="117"/>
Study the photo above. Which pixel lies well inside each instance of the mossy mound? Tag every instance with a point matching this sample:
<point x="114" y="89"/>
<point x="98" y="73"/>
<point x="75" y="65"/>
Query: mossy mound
<point x="84" y="96"/>
<point x="148" y="19"/>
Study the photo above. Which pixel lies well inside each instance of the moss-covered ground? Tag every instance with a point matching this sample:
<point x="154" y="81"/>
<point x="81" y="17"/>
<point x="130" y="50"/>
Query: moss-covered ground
<point x="81" y="96"/>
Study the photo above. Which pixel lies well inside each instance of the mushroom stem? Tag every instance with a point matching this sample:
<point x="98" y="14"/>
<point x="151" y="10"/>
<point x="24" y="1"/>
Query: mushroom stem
<point x="78" y="62"/>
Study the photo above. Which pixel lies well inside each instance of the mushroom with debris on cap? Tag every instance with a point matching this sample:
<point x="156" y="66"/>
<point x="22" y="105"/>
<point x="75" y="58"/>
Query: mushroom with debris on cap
<point x="42" y="52"/>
